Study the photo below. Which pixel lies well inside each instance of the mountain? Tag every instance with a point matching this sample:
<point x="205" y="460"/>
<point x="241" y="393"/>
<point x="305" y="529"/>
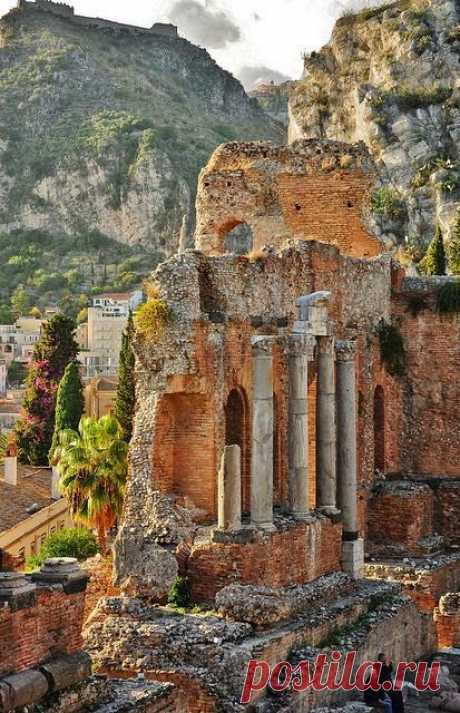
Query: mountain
<point x="390" y="77"/>
<point x="274" y="99"/>
<point x="105" y="127"/>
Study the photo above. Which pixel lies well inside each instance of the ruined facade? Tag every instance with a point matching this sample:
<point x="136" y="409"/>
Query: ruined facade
<point x="275" y="442"/>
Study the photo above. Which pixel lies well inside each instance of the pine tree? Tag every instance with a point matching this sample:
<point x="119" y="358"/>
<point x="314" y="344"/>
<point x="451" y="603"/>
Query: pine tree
<point x="69" y="404"/>
<point x="55" y="349"/>
<point x="125" y="400"/>
<point x="453" y="250"/>
<point x="434" y="262"/>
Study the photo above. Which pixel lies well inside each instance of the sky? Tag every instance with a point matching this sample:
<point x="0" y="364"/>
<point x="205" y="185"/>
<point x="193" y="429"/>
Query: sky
<point x="254" y="39"/>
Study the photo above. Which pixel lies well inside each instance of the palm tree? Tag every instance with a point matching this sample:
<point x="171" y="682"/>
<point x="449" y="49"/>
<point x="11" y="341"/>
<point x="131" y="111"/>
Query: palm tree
<point x="92" y="465"/>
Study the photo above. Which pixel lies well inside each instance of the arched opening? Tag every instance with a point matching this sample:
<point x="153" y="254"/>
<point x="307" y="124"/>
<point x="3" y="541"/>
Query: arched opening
<point x="379" y="429"/>
<point x="236" y="433"/>
<point x="183" y="461"/>
<point x="238" y="239"/>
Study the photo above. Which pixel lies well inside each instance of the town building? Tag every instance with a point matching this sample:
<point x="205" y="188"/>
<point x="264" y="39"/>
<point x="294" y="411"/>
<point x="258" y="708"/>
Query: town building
<point x="100" y="393"/>
<point x="102" y="334"/>
<point x="31" y="508"/>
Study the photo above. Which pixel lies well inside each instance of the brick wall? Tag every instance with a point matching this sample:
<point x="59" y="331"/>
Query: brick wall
<point x="447" y="620"/>
<point x="48" y="623"/>
<point x="297" y="555"/>
<point x="304" y="192"/>
<point x="400" y="515"/>
<point x="431" y="390"/>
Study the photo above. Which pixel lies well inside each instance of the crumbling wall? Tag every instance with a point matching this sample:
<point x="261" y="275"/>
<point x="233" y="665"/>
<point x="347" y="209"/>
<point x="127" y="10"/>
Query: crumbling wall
<point x="204" y="354"/>
<point x="431" y="409"/>
<point x="312" y="190"/>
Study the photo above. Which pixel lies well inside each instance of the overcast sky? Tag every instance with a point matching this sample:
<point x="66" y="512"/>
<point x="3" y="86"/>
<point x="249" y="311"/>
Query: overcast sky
<point x="248" y="37"/>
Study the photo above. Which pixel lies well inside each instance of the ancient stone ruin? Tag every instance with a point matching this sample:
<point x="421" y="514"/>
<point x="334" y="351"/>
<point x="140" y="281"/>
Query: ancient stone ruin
<point x="295" y="449"/>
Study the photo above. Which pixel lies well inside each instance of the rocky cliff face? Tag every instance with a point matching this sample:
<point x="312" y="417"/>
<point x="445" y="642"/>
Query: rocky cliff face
<point x="390" y="77"/>
<point x="106" y="128"/>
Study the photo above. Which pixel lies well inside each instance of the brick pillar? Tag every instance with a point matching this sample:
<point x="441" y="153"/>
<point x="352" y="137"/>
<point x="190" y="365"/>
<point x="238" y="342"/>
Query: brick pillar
<point x="347" y="476"/>
<point x="262" y="433"/>
<point x="229" y="490"/>
<point x="325" y="427"/>
<point x="300" y="353"/>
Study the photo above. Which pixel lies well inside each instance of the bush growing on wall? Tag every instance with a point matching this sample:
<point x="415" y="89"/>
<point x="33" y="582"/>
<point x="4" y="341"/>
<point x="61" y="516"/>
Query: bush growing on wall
<point x="392" y="349"/>
<point x="69" y="542"/>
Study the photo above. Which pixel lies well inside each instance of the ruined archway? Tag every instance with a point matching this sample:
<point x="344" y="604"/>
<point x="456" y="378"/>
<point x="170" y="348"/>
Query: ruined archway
<point x="238" y="239"/>
<point x="183" y="461"/>
<point x="379" y="429"/>
<point x="236" y="433"/>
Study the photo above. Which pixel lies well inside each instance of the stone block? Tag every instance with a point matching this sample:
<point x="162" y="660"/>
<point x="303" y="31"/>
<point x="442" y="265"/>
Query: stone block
<point x="65" y="671"/>
<point x="24" y="688"/>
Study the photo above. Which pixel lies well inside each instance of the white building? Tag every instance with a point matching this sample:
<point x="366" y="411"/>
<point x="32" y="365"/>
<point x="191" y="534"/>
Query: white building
<point x="17" y="340"/>
<point x="3" y="374"/>
<point x="107" y="318"/>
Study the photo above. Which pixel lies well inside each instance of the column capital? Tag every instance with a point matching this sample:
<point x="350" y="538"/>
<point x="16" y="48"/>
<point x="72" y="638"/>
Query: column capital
<point x="345" y="350"/>
<point x="301" y="345"/>
<point x="326" y="345"/>
<point x="262" y="345"/>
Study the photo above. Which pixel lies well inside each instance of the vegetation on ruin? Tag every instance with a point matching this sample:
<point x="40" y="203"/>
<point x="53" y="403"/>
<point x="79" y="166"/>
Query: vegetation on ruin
<point x="152" y="317"/>
<point x="44" y="270"/>
<point x="448" y="299"/>
<point x="434" y="262"/>
<point x="55" y="349"/>
<point x="69" y="404"/>
<point x="387" y="202"/>
<point x="75" y="542"/>
<point x="449" y="176"/>
<point x="392" y="351"/>
<point x="180" y="595"/>
<point x="126" y="387"/>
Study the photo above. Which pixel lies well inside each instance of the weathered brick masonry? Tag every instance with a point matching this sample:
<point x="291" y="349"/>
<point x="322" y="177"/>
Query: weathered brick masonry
<point x="312" y="190"/>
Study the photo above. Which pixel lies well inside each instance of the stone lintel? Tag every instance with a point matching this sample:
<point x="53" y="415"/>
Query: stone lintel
<point x="345" y="351"/>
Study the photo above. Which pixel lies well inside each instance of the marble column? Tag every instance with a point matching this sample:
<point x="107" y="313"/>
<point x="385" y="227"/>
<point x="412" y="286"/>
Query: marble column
<point x="325" y="427"/>
<point x="300" y="353"/>
<point x="229" y="490"/>
<point x="347" y="473"/>
<point x="262" y="433"/>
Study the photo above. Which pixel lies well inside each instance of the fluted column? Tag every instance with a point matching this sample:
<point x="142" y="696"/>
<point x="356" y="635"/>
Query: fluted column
<point x="300" y="353"/>
<point x="347" y="472"/>
<point x="229" y="490"/>
<point x="325" y="427"/>
<point x="262" y="433"/>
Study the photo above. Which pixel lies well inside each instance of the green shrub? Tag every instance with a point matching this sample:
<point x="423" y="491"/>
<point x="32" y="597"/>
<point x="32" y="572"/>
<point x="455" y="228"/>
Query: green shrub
<point x="180" y="595"/>
<point x="69" y="542"/>
<point x="407" y="98"/>
<point x="392" y="350"/>
<point x="449" y="297"/>
<point x="434" y="262"/>
<point x="387" y="202"/>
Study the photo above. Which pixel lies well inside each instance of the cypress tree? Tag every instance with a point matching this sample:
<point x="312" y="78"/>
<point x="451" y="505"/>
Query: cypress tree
<point x="69" y="404"/>
<point x="54" y="350"/>
<point x="434" y="262"/>
<point x="454" y="248"/>
<point x="125" y="399"/>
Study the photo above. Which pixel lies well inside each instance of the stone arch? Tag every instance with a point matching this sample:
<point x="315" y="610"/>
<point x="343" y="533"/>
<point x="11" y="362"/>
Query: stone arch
<point x="183" y="457"/>
<point x="237" y="237"/>
<point x="379" y="429"/>
<point x="237" y="433"/>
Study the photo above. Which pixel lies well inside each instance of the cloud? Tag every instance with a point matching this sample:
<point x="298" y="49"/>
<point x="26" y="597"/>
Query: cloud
<point x="205" y="26"/>
<point x="252" y="76"/>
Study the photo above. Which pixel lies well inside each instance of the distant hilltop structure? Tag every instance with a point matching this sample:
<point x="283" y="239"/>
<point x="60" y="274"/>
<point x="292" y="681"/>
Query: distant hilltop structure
<point x="67" y="11"/>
